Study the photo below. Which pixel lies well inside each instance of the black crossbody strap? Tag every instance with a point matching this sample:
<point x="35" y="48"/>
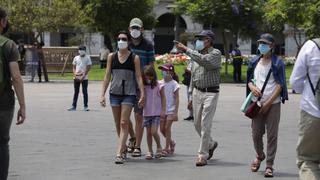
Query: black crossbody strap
<point x="312" y="87"/>
<point x="317" y="42"/>
<point x="265" y="84"/>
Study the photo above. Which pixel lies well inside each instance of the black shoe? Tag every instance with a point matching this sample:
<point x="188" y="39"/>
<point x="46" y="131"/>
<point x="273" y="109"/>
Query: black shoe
<point x="215" y="145"/>
<point x="188" y="118"/>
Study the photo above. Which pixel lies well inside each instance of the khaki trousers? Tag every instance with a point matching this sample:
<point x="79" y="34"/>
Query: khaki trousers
<point x="308" y="148"/>
<point x="204" y="107"/>
<point x="270" y="122"/>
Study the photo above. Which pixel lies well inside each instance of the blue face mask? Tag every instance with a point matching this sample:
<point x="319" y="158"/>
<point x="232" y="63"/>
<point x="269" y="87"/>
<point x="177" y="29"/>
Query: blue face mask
<point x="199" y="45"/>
<point x="264" y="48"/>
<point x="163" y="74"/>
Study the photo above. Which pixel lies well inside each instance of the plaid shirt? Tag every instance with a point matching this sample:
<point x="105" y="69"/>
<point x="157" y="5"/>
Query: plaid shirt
<point x="205" y="70"/>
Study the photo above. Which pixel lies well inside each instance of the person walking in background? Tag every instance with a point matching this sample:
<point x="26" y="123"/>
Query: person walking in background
<point x="124" y="66"/>
<point x="42" y="64"/>
<point x="268" y="69"/>
<point x="34" y="61"/>
<point x="22" y="52"/>
<point x="171" y="90"/>
<point x="237" y="63"/>
<point x="204" y="87"/>
<point x="145" y="50"/>
<point x="186" y="81"/>
<point x="81" y="67"/>
<point x="305" y="79"/>
<point x="103" y="54"/>
<point x="154" y="109"/>
<point x="9" y="76"/>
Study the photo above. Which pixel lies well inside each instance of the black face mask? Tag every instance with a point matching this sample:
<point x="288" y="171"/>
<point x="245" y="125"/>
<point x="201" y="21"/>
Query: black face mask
<point x="5" y="29"/>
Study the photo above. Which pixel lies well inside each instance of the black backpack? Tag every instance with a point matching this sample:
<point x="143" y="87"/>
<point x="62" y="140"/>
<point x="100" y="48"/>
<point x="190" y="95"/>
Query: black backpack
<point x="3" y="79"/>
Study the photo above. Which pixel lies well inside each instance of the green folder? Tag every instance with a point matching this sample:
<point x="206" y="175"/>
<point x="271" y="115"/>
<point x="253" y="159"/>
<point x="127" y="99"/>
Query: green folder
<point x="247" y="101"/>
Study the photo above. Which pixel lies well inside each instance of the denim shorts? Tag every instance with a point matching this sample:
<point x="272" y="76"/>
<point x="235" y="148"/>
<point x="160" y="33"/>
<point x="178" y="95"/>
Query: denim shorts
<point x="151" y="120"/>
<point x="118" y="100"/>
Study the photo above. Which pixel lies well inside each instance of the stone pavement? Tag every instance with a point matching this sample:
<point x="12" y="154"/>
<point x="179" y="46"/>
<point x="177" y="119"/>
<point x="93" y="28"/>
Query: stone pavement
<point x="55" y="144"/>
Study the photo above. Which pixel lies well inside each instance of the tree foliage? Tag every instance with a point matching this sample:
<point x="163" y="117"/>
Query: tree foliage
<point x="113" y="15"/>
<point x="301" y="15"/>
<point x="44" y="15"/>
<point x="237" y="16"/>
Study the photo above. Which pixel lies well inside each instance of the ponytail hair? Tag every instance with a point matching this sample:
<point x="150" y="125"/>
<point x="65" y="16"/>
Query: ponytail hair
<point x="174" y="75"/>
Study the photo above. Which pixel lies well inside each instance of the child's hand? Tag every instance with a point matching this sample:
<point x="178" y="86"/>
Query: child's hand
<point x="141" y="101"/>
<point x="162" y="115"/>
<point x="189" y="105"/>
<point x="175" y="117"/>
<point x="103" y="101"/>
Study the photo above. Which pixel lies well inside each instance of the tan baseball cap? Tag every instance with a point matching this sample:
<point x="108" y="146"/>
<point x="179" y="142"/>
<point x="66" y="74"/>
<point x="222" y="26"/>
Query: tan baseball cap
<point x="136" y="22"/>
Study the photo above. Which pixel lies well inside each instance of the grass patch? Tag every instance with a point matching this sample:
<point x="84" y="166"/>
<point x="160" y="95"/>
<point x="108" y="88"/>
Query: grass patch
<point x="97" y="74"/>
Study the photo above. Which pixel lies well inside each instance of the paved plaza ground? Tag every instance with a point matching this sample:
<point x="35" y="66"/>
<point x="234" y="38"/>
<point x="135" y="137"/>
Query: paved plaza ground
<point x="55" y="144"/>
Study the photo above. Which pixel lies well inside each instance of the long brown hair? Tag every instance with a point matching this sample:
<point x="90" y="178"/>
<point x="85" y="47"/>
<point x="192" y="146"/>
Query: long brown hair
<point x="174" y="75"/>
<point x="149" y="70"/>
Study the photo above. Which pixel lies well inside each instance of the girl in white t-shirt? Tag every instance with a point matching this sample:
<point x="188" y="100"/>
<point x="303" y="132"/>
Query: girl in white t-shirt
<point x="171" y="89"/>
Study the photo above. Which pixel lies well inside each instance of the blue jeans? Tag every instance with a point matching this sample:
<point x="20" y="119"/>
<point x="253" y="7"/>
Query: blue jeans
<point x="76" y="85"/>
<point x="5" y="124"/>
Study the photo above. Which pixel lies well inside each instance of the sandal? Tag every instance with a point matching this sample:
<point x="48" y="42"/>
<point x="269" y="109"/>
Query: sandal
<point x="131" y="144"/>
<point x="255" y="165"/>
<point x="158" y="154"/>
<point x="165" y="152"/>
<point x="136" y="152"/>
<point x="172" y="146"/>
<point x="268" y="173"/>
<point x="124" y="154"/>
<point x="119" y="160"/>
<point x="149" y="156"/>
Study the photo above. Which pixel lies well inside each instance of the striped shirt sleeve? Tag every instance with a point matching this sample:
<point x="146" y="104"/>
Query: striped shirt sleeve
<point x="209" y="61"/>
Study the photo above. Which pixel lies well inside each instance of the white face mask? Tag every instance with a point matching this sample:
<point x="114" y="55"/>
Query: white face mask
<point x="135" y="33"/>
<point x="82" y="52"/>
<point x="122" y="44"/>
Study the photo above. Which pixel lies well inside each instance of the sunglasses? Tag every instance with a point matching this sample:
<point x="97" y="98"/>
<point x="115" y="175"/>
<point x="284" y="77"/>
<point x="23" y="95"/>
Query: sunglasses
<point x="122" y="39"/>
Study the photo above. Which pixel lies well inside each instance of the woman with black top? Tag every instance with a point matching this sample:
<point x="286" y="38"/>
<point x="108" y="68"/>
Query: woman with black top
<point x="124" y="66"/>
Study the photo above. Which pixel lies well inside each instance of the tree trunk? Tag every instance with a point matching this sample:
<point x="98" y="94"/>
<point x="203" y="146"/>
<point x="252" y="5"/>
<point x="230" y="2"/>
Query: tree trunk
<point x="296" y="39"/>
<point x="111" y="42"/>
<point x="107" y="42"/>
<point x="226" y="51"/>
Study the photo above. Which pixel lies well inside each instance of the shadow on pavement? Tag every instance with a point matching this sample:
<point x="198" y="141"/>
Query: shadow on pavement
<point x="155" y="161"/>
<point x="285" y="175"/>
<point x="217" y="162"/>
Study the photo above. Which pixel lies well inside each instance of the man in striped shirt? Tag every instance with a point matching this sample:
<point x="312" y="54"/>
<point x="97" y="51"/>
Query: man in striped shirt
<point x="145" y="50"/>
<point x="204" y="86"/>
